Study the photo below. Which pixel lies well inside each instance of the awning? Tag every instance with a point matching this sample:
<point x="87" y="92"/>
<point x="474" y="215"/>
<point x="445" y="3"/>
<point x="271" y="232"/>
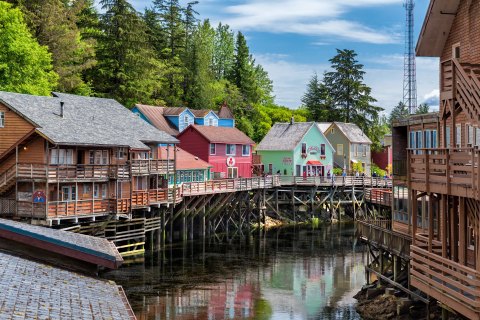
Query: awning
<point x="314" y="163"/>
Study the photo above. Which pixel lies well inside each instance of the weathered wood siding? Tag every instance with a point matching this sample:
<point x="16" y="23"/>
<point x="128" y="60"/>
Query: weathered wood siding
<point x="15" y="129"/>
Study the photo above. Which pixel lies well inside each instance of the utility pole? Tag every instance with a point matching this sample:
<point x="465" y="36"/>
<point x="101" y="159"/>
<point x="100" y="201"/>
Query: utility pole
<point x="409" y="72"/>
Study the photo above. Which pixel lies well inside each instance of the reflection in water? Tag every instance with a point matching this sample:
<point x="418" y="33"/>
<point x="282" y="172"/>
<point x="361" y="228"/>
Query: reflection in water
<point x="288" y="273"/>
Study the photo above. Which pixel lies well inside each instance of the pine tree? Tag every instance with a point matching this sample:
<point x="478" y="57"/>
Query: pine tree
<point x="224" y="52"/>
<point x="53" y="22"/>
<point x="25" y="66"/>
<point x="243" y="73"/>
<point x="400" y="111"/>
<point x="423" y="108"/>
<point x="353" y="101"/>
<point x="127" y="69"/>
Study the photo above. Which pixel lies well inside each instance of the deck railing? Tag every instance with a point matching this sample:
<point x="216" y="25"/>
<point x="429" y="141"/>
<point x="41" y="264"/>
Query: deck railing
<point x="229" y="185"/>
<point x="447" y="281"/>
<point x="382" y="197"/>
<point x="79" y="207"/>
<point x="446" y="170"/>
<point x="151" y="166"/>
<point x="336" y="181"/>
<point x="381" y="233"/>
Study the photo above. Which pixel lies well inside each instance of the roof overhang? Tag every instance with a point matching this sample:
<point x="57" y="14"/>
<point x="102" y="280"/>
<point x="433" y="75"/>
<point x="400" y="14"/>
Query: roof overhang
<point x="436" y="27"/>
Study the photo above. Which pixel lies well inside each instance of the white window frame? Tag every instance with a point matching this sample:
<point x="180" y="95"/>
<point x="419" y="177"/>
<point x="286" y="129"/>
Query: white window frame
<point x="214" y="149"/>
<point x="447" y="137"/>
<point x="227" y="151"/>
<point x="477" y="136"/>
<point x="70" y="194"/>
<point x="96" y="191"/>
<point x="470" y="137"/>
<point x="247" y="147"/>
<point x="61" y="156"/>
<point x="323" y="150"/>
<point x="365" y="147"/>
<point x="186" y="119"/>
<point x="304" y="144"/>
<point x="121" y="153"/>
<point x="458" y="135"/>
<point x="2" y="119"/>
<point x="230" y="171"/>
<point x="211" y="122"/>
<point x="104" y="191"/>
<point x="340" y="149"/>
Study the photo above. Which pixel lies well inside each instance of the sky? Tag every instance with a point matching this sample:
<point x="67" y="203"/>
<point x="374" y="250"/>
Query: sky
<point x="293" y="39"/>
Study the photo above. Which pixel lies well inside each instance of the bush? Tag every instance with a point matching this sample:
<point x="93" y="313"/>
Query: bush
<point x="376" y="169"/>
<point x="337" y="171"/>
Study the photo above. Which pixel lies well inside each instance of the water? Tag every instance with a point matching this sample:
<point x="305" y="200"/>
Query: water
<point x="289" y="273"/>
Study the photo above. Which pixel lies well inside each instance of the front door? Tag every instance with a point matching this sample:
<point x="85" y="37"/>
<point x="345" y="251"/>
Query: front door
<point x="232" y="172"/>
<point x="298" y="169"/>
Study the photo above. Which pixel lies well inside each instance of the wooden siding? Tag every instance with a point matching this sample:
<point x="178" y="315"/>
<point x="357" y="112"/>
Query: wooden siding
<point x="191" y="141"/>
<point x="15" y="129"/>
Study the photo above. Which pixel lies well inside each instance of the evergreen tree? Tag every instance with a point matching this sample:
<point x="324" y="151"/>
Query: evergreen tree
<point x="423" y="108"/>
<point x="53" y="22"/>
<point x="127" y="69"/>
<point x="224" y="52"/>
<point x="400" y="111"/>
<point x="25" y="66"/>
<point x="318" y="102"/>
<point x="243" y="74"/>
<point x="352" y="98"/>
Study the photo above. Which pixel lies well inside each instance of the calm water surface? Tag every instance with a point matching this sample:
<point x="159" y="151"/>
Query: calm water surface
<point x="289" y="273"/>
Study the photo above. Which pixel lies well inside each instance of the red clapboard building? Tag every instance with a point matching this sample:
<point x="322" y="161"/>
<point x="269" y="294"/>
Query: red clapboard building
<point x="228" y="150"/>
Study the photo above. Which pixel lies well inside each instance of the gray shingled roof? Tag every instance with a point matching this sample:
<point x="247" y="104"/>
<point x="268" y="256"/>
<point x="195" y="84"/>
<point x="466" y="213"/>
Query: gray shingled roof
<point x="323" y="126"/>
<point x="86" y="121"/>
<point x="284" y="136"/>
<point x="353" y="132"/>
<point x="32" y="290"/>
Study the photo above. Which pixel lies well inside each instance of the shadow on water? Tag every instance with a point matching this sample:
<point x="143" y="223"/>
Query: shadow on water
<point x="287" y="273"/>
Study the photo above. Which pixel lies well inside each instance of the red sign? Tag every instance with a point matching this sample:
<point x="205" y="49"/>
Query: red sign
<point x="39" y="197"/>
<point x="230" y="161"/>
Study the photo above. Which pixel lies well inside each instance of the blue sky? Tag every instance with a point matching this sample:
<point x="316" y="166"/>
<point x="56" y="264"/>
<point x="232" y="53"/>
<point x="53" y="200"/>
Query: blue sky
<point x="292" y="39"/>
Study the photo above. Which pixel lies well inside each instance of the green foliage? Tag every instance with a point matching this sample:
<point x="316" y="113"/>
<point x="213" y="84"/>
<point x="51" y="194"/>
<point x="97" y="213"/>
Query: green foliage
<point x="377" y="131"/>
<point x="357" y="167"/>
<point x="376" y="169"/>
<point x="263" y="309"/>
<point x="25" y="66"/>
<point x="423" y="108"/>
<point x="337" y="171"/>
<point x="400" y="111"/>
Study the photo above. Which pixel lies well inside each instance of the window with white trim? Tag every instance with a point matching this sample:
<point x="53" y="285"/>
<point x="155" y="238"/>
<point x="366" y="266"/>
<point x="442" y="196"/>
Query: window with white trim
<point x="447" y="137"/>
<point x="322" y="149"/>
<point x="477" y="137"/>
<point x="232" y="172"/>
<point x="340" y="149"/>
<point x="121" y="153"/>
<point x="245" y="150"/>
<point x="230" y="150"/>
<point x="2" y="119"/>
<point x="470" y="140"/>
<point x="104" y="191"/>
<point x="458" y="135"/>
<point x="61" y="156"/>
<point x="98" y="157"/>
<point x="365" y="147"/>
<point x="96" y="191"/>
<point x="304" y="147"/>
<point x="213" y="149"/>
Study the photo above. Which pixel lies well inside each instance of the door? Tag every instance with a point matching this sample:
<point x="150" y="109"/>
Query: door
<point x="298" y="169"/>
<point x="232" y="172"/>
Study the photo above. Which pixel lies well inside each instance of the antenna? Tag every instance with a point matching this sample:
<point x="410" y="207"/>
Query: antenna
<point x="409" y="71"/>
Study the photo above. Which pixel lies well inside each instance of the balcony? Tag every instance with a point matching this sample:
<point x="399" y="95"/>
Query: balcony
<point x="380" y="233"/>
<point x="80" y="207"/>
<point x="449" y="282"/>
<point x="151" y="166"/>
<point x="446" y="171"/>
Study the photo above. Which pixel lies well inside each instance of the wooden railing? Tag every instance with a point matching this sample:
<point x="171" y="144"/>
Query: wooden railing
<point x="382" y="197"/>
<point x="446" y="171"/>
<point x="120" y="171"/>
<point x="79" y="207"/>
<point x="229" y="185"/>
<point x="447" y="281"/>
<point x="7" y="177"/>
<point x="140" y="198"/>
<point x="151" y="166"/>
<point x="380" y="232"/>
<point x="123" y="205"/>
<point x="399" y="167"/>
<point x="78" y="172"/>
<point x="336" y="181"/>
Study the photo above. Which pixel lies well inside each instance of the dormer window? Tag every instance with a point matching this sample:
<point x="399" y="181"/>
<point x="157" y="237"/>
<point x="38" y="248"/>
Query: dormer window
<point x="185" y="120"/>
<point x="210" y="122"/>
<point x="2" y="119"/>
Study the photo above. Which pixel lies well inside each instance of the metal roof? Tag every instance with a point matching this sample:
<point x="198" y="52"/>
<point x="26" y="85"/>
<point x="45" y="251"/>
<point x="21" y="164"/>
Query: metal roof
<point x="86" y="121"/>
<point x="155" y="116"/>
<point x="33" y="290"/>
<point x="220" y="134"/>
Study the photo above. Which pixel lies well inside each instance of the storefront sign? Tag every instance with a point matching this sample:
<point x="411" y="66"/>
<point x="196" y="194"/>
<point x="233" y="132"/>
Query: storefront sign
<point x="287" y="161"/>
<point x="230" y="161"/>
<point x="313" y="149"/>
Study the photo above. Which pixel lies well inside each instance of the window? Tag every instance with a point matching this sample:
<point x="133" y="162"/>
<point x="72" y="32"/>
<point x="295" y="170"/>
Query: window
<point x="456" y="51"/>
<point x="322" y="149"/>
<point x="447" y="137"/>
<point x="98" y="157"/>
<point x="477" y="136"/>
<point x="61" y="156"/>
<point x="245" y="150"/>
<point x="270" y="168"/>
<point x="121" y="153"/>
<point x="412" y="143"/>
<point x="332" y="131"/>
<point x="213" y="149"/>
<point x="232" y="172"/>
<point x="230" y="150"/>
<point x="87" y="188"/>
<point x="365" y="148"/>
<point x="96" y="189"/>
<point x="210" y="122"/>
<point x="304" y="147"/>
<point x="470" y="140"/>
<point x="458" y="135"/>
<point x="69" y="193"/>
<point x="104" y="191"/>
<point x="433" y="138"/>
<point x="340" y="149"/>
<point x="2" y="119"/>
<point x="426" y="138"/>
<point x="355" y="150"/>
<point x="185" y="120"/>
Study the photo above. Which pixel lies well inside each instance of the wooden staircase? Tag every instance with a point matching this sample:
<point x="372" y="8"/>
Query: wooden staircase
<point x="7" y="179"/>
<point x="467" y="89"/>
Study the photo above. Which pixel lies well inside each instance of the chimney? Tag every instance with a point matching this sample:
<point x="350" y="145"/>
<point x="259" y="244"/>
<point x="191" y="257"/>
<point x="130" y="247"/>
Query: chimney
<point x="62" y="109"/>
<point x="292" y="120"/>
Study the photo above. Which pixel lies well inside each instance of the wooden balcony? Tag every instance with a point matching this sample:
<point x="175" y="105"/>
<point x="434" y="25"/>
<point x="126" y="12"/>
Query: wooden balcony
<point x="151" y="166"/>
<point x="446" y="171"/>
<point x="140" y="199"/>
<point x="81" y="207"/>
<point x="380" y="234"/>
<point x="382" y="197"/>
<point x="449" y="282"/>
<point x="123" y="205"/>
<point x="75" y="172"/>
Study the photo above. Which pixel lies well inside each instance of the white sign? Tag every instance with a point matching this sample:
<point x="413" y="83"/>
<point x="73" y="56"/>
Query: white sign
<point x="230" y="161"/>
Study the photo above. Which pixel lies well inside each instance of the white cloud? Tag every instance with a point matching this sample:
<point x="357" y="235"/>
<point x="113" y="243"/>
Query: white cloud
<point x="308" y="17"/>
<point x="290" y="79"/>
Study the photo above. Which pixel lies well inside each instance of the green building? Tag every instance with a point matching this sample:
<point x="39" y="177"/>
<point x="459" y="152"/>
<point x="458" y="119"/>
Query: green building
<point x="296" y="149"/>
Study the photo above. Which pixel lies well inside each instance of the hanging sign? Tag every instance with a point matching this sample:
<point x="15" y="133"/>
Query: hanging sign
<point x="230" y="161"/>
<point x="39" y="197"/>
